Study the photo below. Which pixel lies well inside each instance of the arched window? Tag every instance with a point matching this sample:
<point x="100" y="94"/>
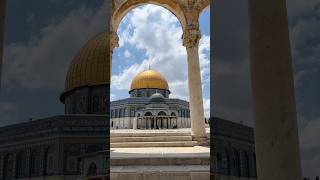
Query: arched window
<point x="116" y="113"/>
<point x="21" y="165"/>
<point x="72" y="154"/>
<point x="246" y="165"/>
<point x="112" y="113"/>
<point x="236" y="163"/>
<point x="226" y="161"/>
<point x="120" y="113"/>
<point x="8" y="167"/>
<point x="162" y="113"/>
<point x="92" y="170"/>
<point x="132" y="112"/>
<point x="148" y="114"/>
<point x="35" y="162"/>
<point x="49" y="160"/>
<point x="173" y="114"/>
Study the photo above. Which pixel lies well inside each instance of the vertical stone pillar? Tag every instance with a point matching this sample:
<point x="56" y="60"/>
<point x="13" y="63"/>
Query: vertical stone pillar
<point x="114" y="43"/>
<point x="43" y="161"/>
<point x="28" y="161"/>
<point x="275" y="121"/>
<point x="59" y="154"/>
<point x="191" y="39"/>
<point x="135" y="123"/>
<point x="14" y="164"/>
<point x="2" y="23"/>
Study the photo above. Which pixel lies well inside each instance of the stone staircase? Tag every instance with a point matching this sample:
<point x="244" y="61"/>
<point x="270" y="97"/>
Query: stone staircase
<point x="157" y="155"/>
<point x="151" y="139"/>
<point x="160" y="166"/>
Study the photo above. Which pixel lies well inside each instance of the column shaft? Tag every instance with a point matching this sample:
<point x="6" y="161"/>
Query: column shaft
<point x="275" y="121"/>
<point x="195" y="93"/>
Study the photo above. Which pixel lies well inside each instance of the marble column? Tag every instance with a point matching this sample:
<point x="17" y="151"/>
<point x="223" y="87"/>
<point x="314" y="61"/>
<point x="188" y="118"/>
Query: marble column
<point x="135" y="123"/>
<point x="275" y="120"/>
<point x="165" y="123"/>
<point x="149" y="123"/>
<point x="191" y="39"/>
<point x="138" y="123"/>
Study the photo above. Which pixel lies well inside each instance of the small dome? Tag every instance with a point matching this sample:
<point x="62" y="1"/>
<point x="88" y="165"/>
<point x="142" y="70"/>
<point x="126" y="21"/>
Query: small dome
<point x="156" y="97"/>
<point x="90" y="66"/>
<point x="149" y="79"/>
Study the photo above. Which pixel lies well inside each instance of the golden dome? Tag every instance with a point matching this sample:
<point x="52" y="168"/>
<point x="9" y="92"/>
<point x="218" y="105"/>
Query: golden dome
<point x="91" y="65"/>
<point x="149" y="79"/>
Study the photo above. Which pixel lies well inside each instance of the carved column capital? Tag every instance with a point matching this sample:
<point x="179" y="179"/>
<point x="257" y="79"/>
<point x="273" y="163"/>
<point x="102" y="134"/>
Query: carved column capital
<point x="114" y="40"/>
<point x="191" y="36"/>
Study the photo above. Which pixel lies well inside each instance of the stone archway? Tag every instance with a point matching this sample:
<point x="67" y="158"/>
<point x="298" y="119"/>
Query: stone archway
<point x="187" y="12"/>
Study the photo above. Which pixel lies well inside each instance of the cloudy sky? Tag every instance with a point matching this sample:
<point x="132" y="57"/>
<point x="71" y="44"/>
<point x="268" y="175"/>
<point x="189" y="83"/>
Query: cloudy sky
<point x="151" y="35"/>
<point x="41" y="38"/>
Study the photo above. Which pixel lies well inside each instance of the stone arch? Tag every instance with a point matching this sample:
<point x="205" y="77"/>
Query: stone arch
<point x="187" y="12"/>
<point x="21" y="165"/>
<point x="122" y="9"/>
<point x="148" y="113"/>
<point x="203" y="7"/>
<point x="162" y="113"/>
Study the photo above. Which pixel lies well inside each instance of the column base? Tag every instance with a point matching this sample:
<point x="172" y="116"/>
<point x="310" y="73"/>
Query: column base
<point x="202" y="141"/>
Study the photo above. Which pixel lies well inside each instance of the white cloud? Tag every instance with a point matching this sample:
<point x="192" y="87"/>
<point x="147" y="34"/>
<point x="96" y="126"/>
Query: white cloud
<point x="157" y="32"/>
<point x="43" y="61"/>
<point x="206" y="106"/>
<point x="127" y="54"/>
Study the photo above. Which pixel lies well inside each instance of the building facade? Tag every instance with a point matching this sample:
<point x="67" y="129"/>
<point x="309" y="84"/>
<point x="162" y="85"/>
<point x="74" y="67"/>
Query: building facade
<point x="50" y="148"/>
<point x="232" y="150"/>
<point x="149" y="106"/>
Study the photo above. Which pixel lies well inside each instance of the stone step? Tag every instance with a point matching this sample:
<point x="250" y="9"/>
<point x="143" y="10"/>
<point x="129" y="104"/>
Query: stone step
<point x="189" y="172"/>
<point x="150" y="139"/>
<point x="154" y="144"/>
<point x="148" y="134"/>
<point x="158" y="161"/>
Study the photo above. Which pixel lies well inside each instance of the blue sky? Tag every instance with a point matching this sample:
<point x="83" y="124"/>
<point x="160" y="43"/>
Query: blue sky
<point x="151" y="35"/>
